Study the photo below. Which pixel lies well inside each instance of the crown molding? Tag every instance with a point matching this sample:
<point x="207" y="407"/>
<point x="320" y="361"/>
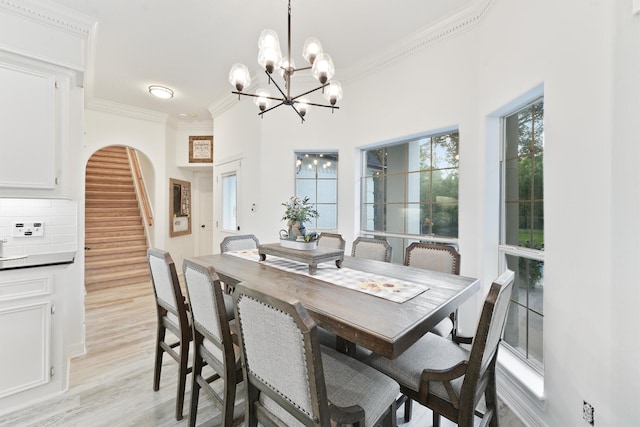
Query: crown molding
<point x="195" y="125"/>
<point x="129" y="111"/>
<point x="55" y="15"/>
<point x="462" y="21"/>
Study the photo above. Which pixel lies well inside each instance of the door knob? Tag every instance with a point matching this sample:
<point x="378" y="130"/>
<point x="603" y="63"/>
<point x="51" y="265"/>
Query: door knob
<point x="202" y="226"/>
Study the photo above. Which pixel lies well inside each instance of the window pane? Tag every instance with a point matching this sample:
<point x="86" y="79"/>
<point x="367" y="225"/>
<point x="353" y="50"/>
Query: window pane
<point x="445" y="151"/>
<point x="445" y="219"/>
<point x="328" y="216"/>
<point x="536" y="323"/>
<point x="327" y="191"/>
<point x="229" y="202"/>
<point x="394" y="188"/>
<point x="395" y="218"/>
<point x="306" y="188"/>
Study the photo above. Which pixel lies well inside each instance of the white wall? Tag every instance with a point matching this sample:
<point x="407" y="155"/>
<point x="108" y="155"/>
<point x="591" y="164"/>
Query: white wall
<point x="586" y="57"/>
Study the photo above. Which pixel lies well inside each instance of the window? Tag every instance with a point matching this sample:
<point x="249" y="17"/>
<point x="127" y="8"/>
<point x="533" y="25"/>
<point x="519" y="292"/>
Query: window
<point x="317" y="178"/>
<point x="229" y="184"/>
<point x="411" y="188"/>
<point x="522" y="237"/>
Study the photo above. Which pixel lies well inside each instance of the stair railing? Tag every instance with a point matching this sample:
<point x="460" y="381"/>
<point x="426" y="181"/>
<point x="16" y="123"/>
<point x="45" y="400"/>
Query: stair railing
<point x="141" y="190"/>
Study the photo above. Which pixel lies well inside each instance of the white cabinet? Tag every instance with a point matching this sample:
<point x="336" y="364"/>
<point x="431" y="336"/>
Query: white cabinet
<point x="31" y="334"/>
<point x="27" y="128"/>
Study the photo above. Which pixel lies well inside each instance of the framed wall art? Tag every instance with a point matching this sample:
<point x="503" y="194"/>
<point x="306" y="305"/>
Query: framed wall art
<point x="201" y="149"/>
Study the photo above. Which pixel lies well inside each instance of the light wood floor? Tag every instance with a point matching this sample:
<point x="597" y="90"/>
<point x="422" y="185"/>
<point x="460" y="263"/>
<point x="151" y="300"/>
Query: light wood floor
<point x="112" y="384"/>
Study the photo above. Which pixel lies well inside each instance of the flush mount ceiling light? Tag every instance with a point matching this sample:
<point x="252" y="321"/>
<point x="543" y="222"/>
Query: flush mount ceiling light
<point x="160" y="91"/>
<point x="270" y="57"/>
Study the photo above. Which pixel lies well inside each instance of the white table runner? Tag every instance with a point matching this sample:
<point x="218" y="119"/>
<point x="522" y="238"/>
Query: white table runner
<point x="381" y="286"/>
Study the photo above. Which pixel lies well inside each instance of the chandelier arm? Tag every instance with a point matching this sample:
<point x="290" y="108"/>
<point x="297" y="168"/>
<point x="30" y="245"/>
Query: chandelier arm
<point x="319" y="105"/>
<point x="258" y="96"/>
<point x="310" y="91"/>
<point x="303" y="68"/>
<point x="270" y="108"/>
<point x="299" y="113"/>
<point x="271" y="80"/>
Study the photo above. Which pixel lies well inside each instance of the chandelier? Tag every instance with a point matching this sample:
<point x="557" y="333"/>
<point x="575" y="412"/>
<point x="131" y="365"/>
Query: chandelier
<point x="270" y="58"/>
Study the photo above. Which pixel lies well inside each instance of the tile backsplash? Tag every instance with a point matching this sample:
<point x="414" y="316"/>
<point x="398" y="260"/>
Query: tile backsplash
<point x="60" y="218"/>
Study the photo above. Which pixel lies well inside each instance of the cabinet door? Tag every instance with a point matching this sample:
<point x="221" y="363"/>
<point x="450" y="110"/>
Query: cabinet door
<point x="25" y="332"/>
<point x="27" y="128"/>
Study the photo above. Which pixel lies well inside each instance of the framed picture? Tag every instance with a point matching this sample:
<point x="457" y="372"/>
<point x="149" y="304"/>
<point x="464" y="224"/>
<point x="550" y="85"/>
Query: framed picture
<point x="201" y="149"/>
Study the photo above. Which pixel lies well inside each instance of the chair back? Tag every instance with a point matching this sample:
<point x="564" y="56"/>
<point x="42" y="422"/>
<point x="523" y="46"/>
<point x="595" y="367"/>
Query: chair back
<point x="489" y="331"/>
<point x="332" y="241"/>
<point x="375" y="249"/>
<point x="427" y="256"/>
<point x="299" y="397"/>
<point x="208" y="311"/>
<point x="166" y="287"/>
<point x="239" y="242"/>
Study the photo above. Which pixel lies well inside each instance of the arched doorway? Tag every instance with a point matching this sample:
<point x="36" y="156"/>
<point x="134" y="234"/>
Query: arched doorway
<point x="115" y="221"/>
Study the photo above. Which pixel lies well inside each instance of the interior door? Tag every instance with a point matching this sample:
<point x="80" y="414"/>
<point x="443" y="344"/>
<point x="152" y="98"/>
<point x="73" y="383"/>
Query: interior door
<point x="205" y="214"/>
<point x="227" y="184"/>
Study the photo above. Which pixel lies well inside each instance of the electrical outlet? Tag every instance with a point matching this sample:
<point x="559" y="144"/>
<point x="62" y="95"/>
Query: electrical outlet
<point x="587" y="412"/>
<point x="28" y="229"/>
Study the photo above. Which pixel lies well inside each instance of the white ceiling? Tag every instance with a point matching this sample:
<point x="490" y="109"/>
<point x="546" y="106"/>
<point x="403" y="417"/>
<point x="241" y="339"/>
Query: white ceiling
<point x="190" y="45"/>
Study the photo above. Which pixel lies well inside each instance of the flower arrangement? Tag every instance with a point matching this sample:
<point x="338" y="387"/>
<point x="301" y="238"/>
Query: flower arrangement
<point x="298" y="209"/>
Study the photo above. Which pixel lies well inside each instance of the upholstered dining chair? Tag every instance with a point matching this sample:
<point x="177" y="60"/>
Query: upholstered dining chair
<point x="442" y="258"/>
<point x="321" y="387"/>
<point x="331" y="240"/>
<point x="239" y="242"/>
<point x="376" y="249"/>
<point x="447" y="378"/>
<point x="212" y="343"/>
<point x="172" y="314"/>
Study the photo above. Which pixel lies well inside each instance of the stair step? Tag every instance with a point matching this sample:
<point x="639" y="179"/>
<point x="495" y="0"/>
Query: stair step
<point x="118" y="279"/>
<point x="110" y="187"/>
<point x="126" y="230"/>
<point x="113" y="241"/>
<point x="106" y="194"/>
<point x="116" y="252"/>
<point x="100" y="221"/>
<point x="114" y="265"/>
<point x="93" y="178"/>
<point x="93" y="212"/>
<point x="108" y="164"/>
<point x="111" y="204"/>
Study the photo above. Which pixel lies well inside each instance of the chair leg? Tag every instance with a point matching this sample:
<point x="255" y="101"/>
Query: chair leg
<point x="182" y="378"/>
<point x="407" y="410"/>
<point x="159" y="352"/>
<point x="195" y="387"/>
<point x="436" y="419"/>
<point x="491" y="401"/>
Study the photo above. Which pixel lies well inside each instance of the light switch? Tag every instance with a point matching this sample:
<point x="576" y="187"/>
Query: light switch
<point x="28" y="229"/>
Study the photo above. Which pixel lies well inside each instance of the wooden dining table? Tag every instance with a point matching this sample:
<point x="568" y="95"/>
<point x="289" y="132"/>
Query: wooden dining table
<point x="380" y="325"/>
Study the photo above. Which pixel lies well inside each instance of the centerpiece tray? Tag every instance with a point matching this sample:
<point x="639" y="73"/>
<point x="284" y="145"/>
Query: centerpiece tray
<point x="302" y="246"/>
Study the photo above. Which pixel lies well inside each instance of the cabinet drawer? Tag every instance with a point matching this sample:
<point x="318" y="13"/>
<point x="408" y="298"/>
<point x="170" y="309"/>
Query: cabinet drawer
<point x="25" y="288"/>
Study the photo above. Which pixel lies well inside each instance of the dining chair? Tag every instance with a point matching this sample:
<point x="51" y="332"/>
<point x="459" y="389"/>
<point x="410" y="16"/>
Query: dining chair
<point x="331" y="240"/>
<point x="442" y="258"/>
<point x="376" y="249"/>
<point x="212" y="343"/>
<point x="449" y="379"/>
<point x="321" y="387"/>
<point x="239" y="242"/>
<point x="172" y="314"/>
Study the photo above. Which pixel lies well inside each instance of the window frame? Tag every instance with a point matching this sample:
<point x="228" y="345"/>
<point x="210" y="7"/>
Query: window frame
<point x="306" y="153"/>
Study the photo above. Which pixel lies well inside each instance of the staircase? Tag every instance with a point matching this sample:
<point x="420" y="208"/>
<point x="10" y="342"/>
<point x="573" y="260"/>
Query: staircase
<point x="114" y="230"/>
